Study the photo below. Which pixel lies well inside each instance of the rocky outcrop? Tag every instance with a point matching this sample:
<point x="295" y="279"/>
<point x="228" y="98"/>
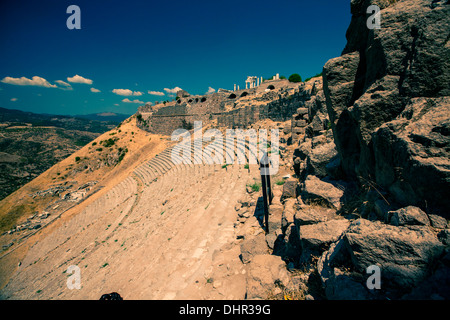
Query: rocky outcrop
<point x="412" y="155"/>
<point x="405" y="256"/>
<point x="387" y="99"/>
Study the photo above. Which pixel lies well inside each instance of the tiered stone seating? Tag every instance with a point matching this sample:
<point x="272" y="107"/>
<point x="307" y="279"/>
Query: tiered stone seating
<point x="167" y="218"/>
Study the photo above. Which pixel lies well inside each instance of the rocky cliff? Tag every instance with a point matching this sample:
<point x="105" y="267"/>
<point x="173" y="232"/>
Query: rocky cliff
<point x="387" y="97"/>
<point x="372" y="192"/>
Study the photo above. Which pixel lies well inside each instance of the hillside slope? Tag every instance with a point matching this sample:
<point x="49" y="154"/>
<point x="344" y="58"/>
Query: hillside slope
<point x="31" y="143"/>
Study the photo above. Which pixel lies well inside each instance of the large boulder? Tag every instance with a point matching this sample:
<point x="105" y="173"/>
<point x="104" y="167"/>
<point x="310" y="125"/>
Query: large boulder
<point x="314" y="190"/>
<point x="408" y="216"/>
<point x="404" y="255"/>
<point x="316" y="238"/>
<point x="412" y="155"/>
<point x="313" y="214"/>
<point x="410" y="43"/>
<point x="339" y="79"/>
<point x="435" y="287"/>
<point x="319" y="157"/>
<point x="338" y="284"/>
<point x="406" y="258"/>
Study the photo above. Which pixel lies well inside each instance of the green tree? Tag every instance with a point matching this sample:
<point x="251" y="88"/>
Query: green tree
<point x="295" y="77"/>
<point x="186" y="125"/>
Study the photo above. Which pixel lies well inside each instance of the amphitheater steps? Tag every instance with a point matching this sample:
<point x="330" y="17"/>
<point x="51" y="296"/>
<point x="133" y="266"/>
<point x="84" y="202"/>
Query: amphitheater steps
<point x="153" y="236"/>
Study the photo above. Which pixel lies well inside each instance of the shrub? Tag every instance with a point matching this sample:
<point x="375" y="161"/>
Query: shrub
<point x="255" y="187"/>
<point x="295" y="77"/>
<point x="122" y="153"/>
<point x="109" y="142"/>
<point x="77" y="159"/>
<point x="186" y="125"/>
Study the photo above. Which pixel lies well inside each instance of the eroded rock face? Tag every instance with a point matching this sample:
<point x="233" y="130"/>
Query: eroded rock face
<point x="412" y="155"/>
<point x="405" y="255"/>
<point x="387" y="98"/>
<point x="406" y="258"/>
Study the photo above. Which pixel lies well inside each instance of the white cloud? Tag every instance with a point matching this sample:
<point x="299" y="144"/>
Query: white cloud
<point x="127" y="92"/>
<point x="174" y="90"/>
<point x="79" y="79"/>
<point x="95" y="90"/>
<point x="23" y="81"/>
<point x="14" y="99"/>
<point x="210" y="90"/>
<point x="64" y="85"/>
<point x="156" y="93"/>
<point x="134" y="101"/>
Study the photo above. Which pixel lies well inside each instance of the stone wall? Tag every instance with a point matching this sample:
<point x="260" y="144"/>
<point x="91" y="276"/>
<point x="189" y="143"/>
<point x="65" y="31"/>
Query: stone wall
<point x="167" y="124"/>
<point x="231" y="109"/>
<point x="311" y="117"/>
<point x="280" y="109"/>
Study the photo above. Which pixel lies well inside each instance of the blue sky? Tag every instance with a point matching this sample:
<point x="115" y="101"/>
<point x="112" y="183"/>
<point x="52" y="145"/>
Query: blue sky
<point x="131" y="50"/>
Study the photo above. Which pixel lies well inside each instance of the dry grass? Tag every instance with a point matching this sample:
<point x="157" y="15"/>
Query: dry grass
<point x="385" y="3"/>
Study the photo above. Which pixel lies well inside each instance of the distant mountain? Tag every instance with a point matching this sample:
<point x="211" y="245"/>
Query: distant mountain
<point x="88" y="123"/>
<point x="105" y="116"/>
<point x="30" y="143"/>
